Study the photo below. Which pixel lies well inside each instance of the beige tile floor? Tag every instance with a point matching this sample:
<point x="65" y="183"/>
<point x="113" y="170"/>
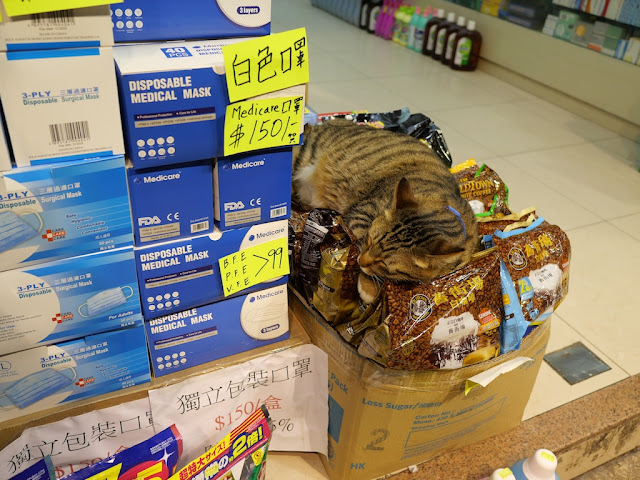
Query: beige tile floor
<point x="578" y="174"/>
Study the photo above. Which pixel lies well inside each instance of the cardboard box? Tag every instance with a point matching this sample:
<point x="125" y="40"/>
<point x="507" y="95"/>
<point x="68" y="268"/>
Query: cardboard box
<point x="82" y="27"/>
<point x="605" y="38"/>
<point x="203" y="334"/>
<point x="632" y="52"/>
<point x="176" y="92"/>
<point x="67" y="299"/>
<point x="61" y="104"/>
<point x="565" y="25"/>
<point x="173" y="202"/>
<point x="184" y="273"/>
<point x="582" y="33"/>
<point x="160" y="20"/>
<point x="43" y="377"/>
<point x="253" y="188"/>
<point x="55" y="211"/>
<point x="381" y="420"/>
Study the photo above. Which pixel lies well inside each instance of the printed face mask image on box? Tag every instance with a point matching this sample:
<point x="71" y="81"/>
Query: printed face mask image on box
<point x="158" y="20"/>
<point x="203" y="334"/>
<point x="182" y="274"/>
<point x="43" y="377"/>
<point x="61" y="210"/>
<point x="61" y="104"/>
<point x="82" y="27"/>
<point x="68" y="298"/>
<point x="269" y="198"/>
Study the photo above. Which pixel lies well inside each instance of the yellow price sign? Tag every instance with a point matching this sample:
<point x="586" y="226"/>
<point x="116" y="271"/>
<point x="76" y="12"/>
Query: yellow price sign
<point x="258" y="124"/>
<point x="254" y="265"/>
<point x="266" y="64"/>
<point x="27" y="7"/>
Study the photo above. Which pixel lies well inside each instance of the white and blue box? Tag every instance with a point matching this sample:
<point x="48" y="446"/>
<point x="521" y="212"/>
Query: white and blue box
<point x="175" y="95"/>
<point x="43" y="377"/>
<point x="203" y="334"/>
<point x="253" y="188"/>
<point x="171" y="202"/>
<point x="69" y="298"/>
<point x="62" y="210"/>
<point x="81" y="27"/>
<point x="5" y="155"/>
<point x="61" y="104"/>
<point x="161" y="20"/>
<point x="182" y="274"/>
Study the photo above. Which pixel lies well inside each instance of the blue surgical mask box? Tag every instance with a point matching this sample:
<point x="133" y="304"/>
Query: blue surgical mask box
<point x="61" y="104"/>
<point x="81" y="27"/>
<point x="44" y="377"/>
<point x="203" y="334"/>
<point x="69" y="298"/>
<point x="172" y="202"/>
<point x="268" y="199"/>
<point x="61" y="210"/>
<point x="184" y="273"/>
<point x="161" y="20"/>
<point x="174" y="98"/>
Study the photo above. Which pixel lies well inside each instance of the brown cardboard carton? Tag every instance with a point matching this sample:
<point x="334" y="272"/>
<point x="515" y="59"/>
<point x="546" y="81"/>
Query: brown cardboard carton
<point x="382" y="421"/>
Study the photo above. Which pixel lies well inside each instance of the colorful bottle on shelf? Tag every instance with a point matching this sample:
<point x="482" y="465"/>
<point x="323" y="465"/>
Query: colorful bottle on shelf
<point x="441" y="33"/>
<point x="420" y="26"/>
<point x="406" y="21"/>
<point x="388" y="26"/>
<point x="541" y="466"/>
<point x="374" y="12"/>
<point x="450" y="40"/>
<point x="430" y="31"/>
<point x="411" y="32"/>
<point x="381" y="17"/>
<point x="467" y="48"/>
<point x="398" y="21"/>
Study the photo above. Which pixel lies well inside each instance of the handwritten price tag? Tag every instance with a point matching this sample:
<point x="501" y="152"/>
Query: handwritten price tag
<point x="27" y="7"/>
<point x="254" y="265"/>
<point x="266" y="64"/>
<point x="257" y="124"/>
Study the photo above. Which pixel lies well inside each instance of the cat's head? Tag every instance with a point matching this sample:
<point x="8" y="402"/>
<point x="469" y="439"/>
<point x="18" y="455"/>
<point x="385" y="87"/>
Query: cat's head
<point x="416" y="239"/>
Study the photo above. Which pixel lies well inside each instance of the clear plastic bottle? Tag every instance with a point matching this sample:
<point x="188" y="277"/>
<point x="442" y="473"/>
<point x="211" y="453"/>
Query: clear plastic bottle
<point x="541" y="466"/>
<point x="466" y="51"/>
<point x="430" y="32"/>
<point x="420" y="26"/>
<point x="441" y="33"/>
<point x="450" y="40"/>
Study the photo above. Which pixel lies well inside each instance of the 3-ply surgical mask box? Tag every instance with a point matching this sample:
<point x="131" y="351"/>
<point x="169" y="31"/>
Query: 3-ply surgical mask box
<point x="61" y="104"/>
<point x="69" y="298"/>
<point x="175" y="94"/>
<point x="182" y="274"/>
<point x="41" y="378"/>
<point x="268" y="199"/>
<point x="81" y="27"/>
<point x="160" y="20"/>
<point x="203" y="334"/>
<point x="171" y="202"/>
<point x="49" y="212"/>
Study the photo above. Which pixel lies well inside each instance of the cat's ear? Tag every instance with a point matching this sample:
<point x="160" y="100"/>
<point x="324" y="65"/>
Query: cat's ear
<point x="403" y="197"/>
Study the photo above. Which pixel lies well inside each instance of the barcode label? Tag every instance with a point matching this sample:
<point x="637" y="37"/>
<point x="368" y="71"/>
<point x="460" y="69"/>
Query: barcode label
<point x="69" y="132"/>
<point x="278" y="212"/>
<point x="62" y="17"/>
<point x="198" y="227"/>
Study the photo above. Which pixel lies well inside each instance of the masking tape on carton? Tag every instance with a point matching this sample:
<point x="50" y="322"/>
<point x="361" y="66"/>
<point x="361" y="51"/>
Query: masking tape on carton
<point x="485" y="378"/>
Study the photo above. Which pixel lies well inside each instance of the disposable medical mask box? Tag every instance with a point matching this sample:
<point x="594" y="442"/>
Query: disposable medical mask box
<point x="5" y="156"/>
<point x="160" y="20"/>
<point x="61" y="210"/>
<point x="61" y="104"/>
<point x="81" y="27"/>
<point x="184" y="273"/>
<point x="42" y="378"/>
<point x="174" y="96"/>
<point x="203" y="334"/>
<point x="69" y="298"/>
<point x="172" y="202"/>
<point x="269" y="198"/>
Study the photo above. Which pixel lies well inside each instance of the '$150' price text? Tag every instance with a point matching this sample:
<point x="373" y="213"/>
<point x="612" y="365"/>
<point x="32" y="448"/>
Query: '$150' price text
<point x="243" y="411"/>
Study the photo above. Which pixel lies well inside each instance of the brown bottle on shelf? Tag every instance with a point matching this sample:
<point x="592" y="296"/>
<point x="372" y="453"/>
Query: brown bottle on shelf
<point x="450" y="40"/>
<point x="466" y="51"/>
<point x="430" y="31"/>
<point x="441" y="33"/>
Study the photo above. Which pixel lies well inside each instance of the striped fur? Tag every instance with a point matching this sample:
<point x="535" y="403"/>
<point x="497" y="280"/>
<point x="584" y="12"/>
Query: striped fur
<point x="393" y="192"/>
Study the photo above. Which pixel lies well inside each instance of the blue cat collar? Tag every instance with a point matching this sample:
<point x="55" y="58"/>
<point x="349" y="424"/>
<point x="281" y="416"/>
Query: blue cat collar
<point x="457" y="214"/>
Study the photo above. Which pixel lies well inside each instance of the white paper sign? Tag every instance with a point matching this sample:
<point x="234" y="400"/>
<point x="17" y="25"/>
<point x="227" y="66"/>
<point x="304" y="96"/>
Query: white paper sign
<point x="292" y="384"/>
<point x="76" y="442"/>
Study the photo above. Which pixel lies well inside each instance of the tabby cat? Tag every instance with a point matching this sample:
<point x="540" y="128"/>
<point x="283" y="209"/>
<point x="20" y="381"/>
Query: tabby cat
<point x="394" y="193"/>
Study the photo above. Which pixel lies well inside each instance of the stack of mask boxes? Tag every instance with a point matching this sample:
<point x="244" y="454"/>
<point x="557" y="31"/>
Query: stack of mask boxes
<point x="70" y="319"/>
<point x="191" y="205"/>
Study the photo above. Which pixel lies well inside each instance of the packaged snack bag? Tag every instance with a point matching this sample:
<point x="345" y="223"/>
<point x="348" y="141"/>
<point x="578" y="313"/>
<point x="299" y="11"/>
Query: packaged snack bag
<point x="41" y="470"/>
<point x="482" y="188"/>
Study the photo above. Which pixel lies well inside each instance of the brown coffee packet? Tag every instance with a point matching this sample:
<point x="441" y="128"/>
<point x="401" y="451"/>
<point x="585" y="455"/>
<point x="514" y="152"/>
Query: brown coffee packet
<point x="482" y="188"/>
<point x="328" y="297"/>
<point x="506" y="223"/>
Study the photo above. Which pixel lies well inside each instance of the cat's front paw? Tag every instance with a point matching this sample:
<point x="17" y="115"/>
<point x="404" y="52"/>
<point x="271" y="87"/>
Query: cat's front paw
<point x="368" y="288"/>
